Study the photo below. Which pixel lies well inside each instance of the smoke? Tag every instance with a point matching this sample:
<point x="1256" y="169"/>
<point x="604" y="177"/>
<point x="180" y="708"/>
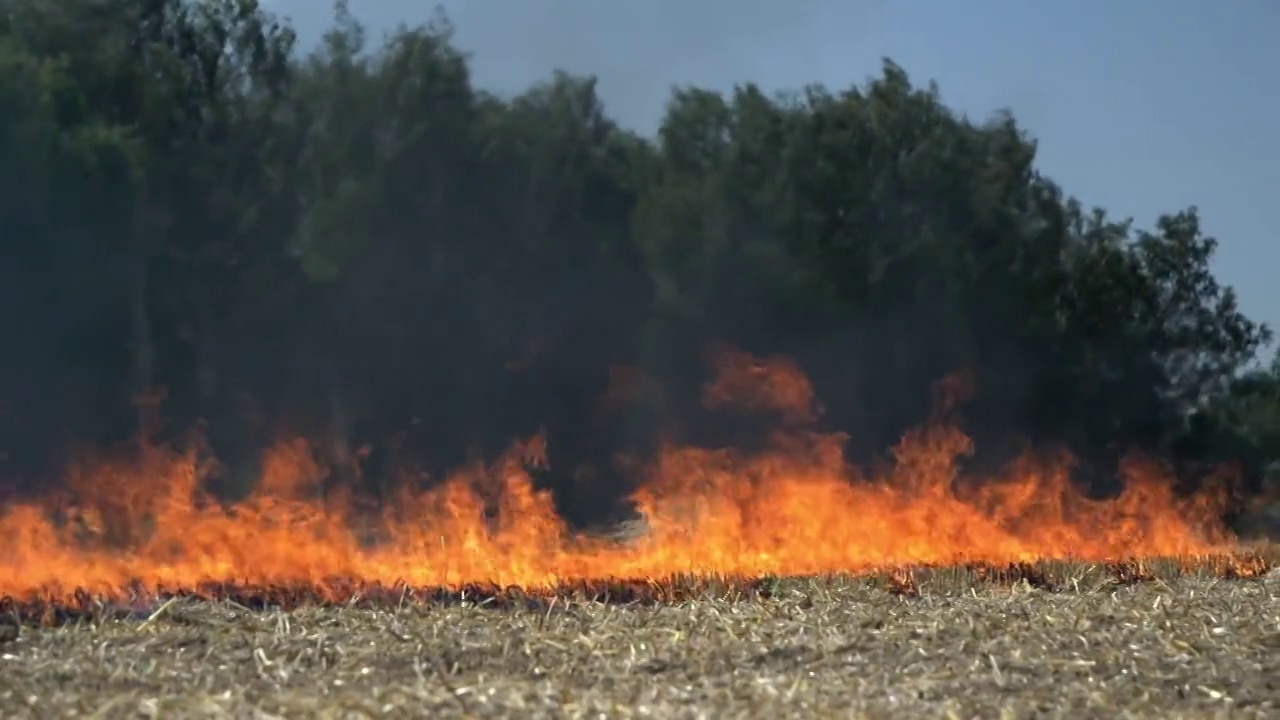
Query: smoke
<point x="397" y="366"/>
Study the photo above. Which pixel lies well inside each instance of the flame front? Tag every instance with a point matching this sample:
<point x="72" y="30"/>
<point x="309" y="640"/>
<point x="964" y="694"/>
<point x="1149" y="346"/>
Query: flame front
<point x="797" y="509"/>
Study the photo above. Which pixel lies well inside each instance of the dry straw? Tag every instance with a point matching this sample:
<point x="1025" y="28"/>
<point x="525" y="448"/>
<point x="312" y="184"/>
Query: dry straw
<point x="1164" y="640"/>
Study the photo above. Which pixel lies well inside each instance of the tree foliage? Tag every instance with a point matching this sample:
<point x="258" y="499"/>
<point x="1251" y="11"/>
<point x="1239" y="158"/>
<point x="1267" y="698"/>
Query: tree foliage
<point x="360" y="243"/>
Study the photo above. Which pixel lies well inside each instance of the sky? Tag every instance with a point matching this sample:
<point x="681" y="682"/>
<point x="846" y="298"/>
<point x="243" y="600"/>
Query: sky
<point x="1139" y="106"/>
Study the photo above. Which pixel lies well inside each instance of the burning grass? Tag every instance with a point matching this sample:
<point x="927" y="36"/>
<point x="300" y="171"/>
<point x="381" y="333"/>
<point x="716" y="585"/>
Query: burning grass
<point x="929" y="593"/>
<point x="796" y="507"/>
<point x="1049" y="639"/>
<point x="137" y="600"/>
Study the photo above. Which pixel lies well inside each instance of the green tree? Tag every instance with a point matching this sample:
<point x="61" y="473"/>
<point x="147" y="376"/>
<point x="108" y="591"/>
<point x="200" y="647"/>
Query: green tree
<point x="378" y="252"/>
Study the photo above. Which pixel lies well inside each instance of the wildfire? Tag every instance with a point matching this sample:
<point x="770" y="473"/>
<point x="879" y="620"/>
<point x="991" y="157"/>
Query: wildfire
<point x="796" y="509"/>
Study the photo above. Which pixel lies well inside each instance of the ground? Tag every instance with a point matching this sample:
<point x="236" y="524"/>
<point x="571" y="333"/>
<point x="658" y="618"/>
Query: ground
<point x="1088" y="642"/>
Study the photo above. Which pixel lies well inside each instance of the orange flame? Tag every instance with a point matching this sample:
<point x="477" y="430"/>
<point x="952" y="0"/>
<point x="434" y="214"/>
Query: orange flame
<point x="797" y="509"/>
<point x="772" y="384"/>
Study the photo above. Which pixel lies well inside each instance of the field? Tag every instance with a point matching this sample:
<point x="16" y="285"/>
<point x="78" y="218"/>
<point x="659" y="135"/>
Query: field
<point x="1052" y="640"/>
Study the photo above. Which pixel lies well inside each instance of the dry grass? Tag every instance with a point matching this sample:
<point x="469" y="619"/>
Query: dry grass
<point x="1054" y="640"/>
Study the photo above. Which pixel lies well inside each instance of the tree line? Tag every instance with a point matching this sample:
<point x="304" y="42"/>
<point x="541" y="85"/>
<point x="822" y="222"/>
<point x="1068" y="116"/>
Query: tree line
<point x="358" y="244"/>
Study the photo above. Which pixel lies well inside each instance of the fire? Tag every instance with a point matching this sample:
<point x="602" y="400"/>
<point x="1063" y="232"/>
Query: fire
<point x="795" y="509"/>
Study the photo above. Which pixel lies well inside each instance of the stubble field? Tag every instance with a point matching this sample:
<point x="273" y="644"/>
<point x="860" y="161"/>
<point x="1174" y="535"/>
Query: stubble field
<point x="1044" y="641"/>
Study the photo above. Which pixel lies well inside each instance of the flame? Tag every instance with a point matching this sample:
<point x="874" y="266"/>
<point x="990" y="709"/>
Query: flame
<point x="747" y="383"/>
<point x="795" y="509"/>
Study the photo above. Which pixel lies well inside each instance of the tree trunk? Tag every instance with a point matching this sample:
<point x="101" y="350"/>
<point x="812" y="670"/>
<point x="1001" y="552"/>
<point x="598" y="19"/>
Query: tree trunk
<point x="206" y="370"/>
<point x="146" y="397"/>
<point x="342" y="461"/>
<point x="143" y="351"/>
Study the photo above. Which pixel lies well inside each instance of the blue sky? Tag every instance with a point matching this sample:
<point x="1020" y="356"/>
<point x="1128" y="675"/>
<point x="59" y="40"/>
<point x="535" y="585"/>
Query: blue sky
<point x="1140" y="106"/>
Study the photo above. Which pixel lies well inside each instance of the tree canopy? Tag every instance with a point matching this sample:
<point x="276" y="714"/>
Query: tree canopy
<point x="357" y="243"/>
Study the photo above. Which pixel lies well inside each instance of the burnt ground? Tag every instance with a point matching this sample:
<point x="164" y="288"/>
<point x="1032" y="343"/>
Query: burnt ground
<point x="1054" y="641"/>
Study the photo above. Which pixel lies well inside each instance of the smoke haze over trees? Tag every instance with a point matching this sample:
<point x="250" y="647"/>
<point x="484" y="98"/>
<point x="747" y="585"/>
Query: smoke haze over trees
<point x="358" y="245"/>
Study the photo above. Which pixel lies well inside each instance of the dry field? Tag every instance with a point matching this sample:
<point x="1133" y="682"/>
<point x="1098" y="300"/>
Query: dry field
<point x="1049" y="641"/>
